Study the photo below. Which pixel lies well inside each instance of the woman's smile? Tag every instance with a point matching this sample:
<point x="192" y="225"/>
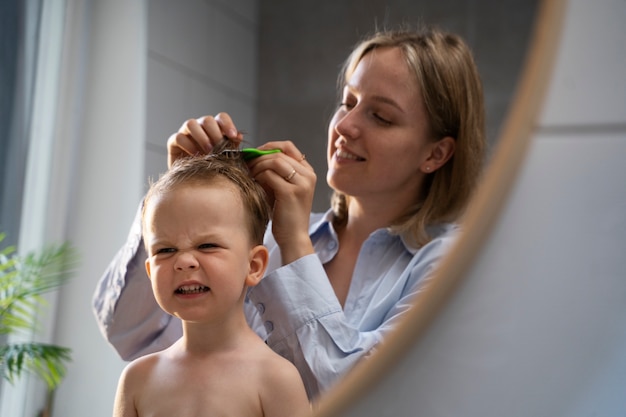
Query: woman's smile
<point x="342" y="153"/>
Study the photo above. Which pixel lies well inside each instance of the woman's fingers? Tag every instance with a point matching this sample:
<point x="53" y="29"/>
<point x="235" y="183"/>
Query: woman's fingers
<point x="276" y="169"/>
<point x="179" y="146"/>
<point x="228" y="128"/>
<point x="280" y="172"/>
<point x="199" y="136"/>
<point x="288" y="148"/>
<point x="289" y="181"/>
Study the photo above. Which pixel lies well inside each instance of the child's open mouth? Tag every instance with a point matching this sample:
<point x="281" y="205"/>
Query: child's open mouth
<point x="192" y="289"/>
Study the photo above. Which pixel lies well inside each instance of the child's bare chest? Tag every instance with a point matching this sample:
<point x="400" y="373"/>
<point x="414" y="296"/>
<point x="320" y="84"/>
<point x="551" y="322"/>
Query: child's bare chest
<point x="211" y="390"/>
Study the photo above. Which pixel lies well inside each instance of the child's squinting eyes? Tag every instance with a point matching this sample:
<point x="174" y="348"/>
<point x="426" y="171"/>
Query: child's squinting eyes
<point x="164" y="250"/>
<point x="203" y="246"/>
<point x="207" y="246"/>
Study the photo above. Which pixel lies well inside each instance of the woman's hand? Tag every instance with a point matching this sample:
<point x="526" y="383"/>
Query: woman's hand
<point x="199" y="136"/>
<point x="289" y="181"/>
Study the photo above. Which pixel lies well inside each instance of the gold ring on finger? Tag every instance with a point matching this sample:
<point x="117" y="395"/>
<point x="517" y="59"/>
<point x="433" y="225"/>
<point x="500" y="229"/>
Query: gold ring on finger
<point x="290" y="176"/>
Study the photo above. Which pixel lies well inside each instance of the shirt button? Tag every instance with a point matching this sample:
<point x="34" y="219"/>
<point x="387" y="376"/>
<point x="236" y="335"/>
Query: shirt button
<point x="261" y="308"/>
<point x="269" y="326"/>
<point x="332" y="245"/>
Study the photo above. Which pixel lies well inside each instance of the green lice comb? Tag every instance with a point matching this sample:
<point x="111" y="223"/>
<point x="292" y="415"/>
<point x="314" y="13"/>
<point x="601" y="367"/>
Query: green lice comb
<point x="248" y="153"/>
<point x="251" y="153"/>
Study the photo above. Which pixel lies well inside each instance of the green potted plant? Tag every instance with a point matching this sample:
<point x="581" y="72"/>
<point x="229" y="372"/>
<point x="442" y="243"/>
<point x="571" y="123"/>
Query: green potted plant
<point x="23" y="282"/>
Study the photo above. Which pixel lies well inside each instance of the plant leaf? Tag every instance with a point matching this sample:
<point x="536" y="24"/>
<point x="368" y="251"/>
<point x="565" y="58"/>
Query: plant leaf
<point x="26" y="278"/>
<point x="23" y="281"/>
<point x="46" y="361"/>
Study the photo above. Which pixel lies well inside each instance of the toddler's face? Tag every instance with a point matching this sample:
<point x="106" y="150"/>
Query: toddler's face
<point x="199" y="250"/>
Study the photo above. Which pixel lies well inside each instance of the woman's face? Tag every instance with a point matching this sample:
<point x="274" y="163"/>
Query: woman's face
<point x="378" y="138"/>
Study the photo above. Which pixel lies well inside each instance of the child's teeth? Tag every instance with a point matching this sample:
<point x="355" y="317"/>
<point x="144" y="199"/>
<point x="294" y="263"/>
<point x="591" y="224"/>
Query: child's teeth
<point x="192" y="289"/>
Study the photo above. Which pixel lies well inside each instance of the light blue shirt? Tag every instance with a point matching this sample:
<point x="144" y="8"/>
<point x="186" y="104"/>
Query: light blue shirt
<point x="294" y="307"/>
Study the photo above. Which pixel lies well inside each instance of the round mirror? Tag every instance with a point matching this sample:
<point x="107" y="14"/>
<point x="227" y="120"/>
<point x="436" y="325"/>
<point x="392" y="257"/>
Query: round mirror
<point x="479" y="222"/>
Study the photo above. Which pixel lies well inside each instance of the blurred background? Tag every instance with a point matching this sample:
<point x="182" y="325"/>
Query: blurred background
<point x="92" y="89"/>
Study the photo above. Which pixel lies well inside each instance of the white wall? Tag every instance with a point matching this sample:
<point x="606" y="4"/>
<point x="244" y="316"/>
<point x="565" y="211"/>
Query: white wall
<point x="108" y="117"/>
<point x="202" y="59"/>
<point x="537" y="327"/>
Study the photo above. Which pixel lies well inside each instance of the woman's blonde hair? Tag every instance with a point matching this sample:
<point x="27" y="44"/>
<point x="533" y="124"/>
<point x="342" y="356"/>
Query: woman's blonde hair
<point x="451" y="88"/>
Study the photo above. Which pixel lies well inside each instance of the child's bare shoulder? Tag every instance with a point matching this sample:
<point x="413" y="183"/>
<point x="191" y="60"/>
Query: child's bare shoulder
<point x="270" y="367"/>
<point x="141" y="366"/>
<point x="279" y="372"/>
<point x="273" y="361"/>
<point x="282" y="389"/>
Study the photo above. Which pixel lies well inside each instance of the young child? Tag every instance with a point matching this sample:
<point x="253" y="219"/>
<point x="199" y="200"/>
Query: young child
<point x="203" y="226"/>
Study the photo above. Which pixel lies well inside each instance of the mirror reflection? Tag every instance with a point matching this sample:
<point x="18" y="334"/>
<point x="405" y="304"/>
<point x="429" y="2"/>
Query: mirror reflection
<point x="302" y="46"/>
<point x="405" y="145"/>
<point x="348" y="272"/>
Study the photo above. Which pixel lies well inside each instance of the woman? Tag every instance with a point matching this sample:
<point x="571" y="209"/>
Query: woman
<point x="405" y="148"/>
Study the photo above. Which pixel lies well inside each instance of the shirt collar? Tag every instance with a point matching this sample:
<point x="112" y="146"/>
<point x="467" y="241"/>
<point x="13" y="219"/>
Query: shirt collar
<point x="320" y="221"/>
<point x="323" y="221"/>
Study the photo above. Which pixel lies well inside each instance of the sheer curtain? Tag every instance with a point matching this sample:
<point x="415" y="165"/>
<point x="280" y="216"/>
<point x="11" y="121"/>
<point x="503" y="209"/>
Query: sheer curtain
<point x="19" y="27"/>
<point x="30" y="58"/>
<point x="72" y="169"/>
